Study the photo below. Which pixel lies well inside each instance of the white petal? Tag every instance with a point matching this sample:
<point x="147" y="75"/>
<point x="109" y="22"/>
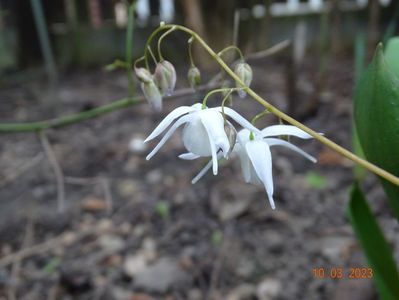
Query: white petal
<point x="279" y="142"/>
<point x="246" y="166"/>
<point x="261" y="158"/>
<point x="214" y="125"/>
<point x="195" y="136"/>
<point x="167" y="135"/>
<point x="176" y="113"/>
<point x="239" y="119"/>
<point x="188" y="156"/>
<point x="285" y="130"/>
<point x="202" y="172"/>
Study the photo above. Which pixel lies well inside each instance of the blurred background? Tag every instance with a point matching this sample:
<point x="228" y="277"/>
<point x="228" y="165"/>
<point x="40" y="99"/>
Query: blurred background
<point x="83" y="215"/>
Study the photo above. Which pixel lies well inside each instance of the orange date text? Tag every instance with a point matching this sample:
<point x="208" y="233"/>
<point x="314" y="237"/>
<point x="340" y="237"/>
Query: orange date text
<point x="342" y="273"/>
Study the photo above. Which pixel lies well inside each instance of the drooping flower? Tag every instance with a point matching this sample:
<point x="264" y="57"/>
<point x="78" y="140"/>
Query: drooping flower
<point x="255" y="156"/>
<point x="244" y="72"/>
<point x="204" y="132"/>
<point x="194" y="77"/>
<point x="152" y="94"/>
<point x="165" y="77"/>
<point x="149" y="88"/>
<point x="253" y="151"/>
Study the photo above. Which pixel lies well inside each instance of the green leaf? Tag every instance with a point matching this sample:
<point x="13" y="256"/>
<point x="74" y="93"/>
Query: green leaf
<point x="376" y="248"/>
<point x="392" y="55"/>
<point x="376" y="115"/>
<point x="316" y="180"/>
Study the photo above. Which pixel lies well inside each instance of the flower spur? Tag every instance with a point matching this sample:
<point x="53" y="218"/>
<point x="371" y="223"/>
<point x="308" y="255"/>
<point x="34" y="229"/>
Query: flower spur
<point x="203" y="134"/>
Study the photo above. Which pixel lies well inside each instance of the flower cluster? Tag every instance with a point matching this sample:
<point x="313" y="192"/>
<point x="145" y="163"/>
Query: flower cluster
<point x="161" y="83"/>
<point x="208" y="133"/>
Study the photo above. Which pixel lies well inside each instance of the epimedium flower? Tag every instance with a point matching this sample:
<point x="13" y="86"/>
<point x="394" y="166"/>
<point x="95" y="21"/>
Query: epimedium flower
<point x="152" y="94"/>
<point x="255" y="157"/>
<point x="149" y="88"/>
<point x="165" y="77"/>
<point x="204" y="132"/>
<point x="244" y="72"/>
<point x="194" y="76"/>
<point x="253" y="150"/>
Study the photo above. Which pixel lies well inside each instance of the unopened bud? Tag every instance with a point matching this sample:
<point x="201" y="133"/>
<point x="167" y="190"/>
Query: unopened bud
<point x="152" y="94"/>
<point x="194" y="77"/>
<point x="143" y="74"/>
<point x="244" y="72"/>
<point x="165" y="77"/>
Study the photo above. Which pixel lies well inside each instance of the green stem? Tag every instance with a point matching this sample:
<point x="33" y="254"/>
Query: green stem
<point x="160" y="41"/>
<point x="69" y="119"/>
<point x="214" y="92"/>
<point x="232" y="47"/>
<point x="190" y="52"/>
<point x="224" y="102"/>
<point x="129" y="48"/>
<point x="258" y="116"/>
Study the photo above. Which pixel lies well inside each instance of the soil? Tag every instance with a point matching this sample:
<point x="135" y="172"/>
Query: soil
<point x="137" y="229"/>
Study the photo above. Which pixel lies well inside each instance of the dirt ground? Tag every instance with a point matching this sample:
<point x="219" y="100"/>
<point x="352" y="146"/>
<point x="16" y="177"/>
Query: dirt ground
<point x="137" y="229"/>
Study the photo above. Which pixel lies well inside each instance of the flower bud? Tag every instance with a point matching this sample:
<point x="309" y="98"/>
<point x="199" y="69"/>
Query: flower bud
<point x="244" y="71"/>
<point x="152" y="94"/>
<point x="165" y="77"/>
<point x="194" y="77"/>
<point x="231" y="135"/>
<point x="143" y="74"/>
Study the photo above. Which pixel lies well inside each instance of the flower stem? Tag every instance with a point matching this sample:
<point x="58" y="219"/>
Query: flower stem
<point x="160" y="41"/>
<point x="217" y="91"/>
<point x="232" y="47"/>
<point x="258" y="116"/>
<point x="190" y="52"/>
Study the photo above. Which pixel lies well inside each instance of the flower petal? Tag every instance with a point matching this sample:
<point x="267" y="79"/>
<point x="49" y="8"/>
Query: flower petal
<point x="167" y="135"/>
<point x="279" y="142"/>
<point x="214" y="125"/>
<point x="189" y="156"/>
<point x="202" y="172"/>
<point x="261" y="158"/>
<point x="285" y="130"/>
<point x="176" y="113"/>
<point x="239" y="119"/>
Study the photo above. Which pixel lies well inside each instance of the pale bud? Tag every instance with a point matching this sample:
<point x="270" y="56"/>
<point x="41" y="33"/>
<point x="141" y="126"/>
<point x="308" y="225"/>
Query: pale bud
<point x="152" y="94"/>
<point x="194" y="76"/>
<point x="165" y="77"/>
<point x="244" y="72"/>
<point x="143" y="74"/>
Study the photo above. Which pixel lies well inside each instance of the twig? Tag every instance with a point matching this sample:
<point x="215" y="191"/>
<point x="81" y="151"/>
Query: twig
<point x="45" y="246"/>
<point x="16" y="266"/>
<point x="270" y="51"/>
<point x="107" y="193"/>
<point x="18" y="171"/>
<point x="59" y="176"/>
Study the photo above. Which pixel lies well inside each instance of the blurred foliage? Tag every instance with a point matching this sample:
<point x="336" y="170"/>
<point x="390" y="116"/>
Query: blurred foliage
<point x="316" y="180"/>
<point x="162" y="208"/>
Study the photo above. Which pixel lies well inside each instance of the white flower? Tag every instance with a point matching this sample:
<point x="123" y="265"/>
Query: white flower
<point x="255" y="156"/>
<point x="203" y="133"/>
